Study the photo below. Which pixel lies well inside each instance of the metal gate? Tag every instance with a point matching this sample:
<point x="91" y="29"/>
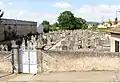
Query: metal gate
<point x="28" y="61"/>
<point x="28" y="58"/>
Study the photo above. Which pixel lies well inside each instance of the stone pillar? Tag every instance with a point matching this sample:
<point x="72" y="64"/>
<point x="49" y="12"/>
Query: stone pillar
<point x="39" y="58"/>
<point x="15" y="57"/>
<point x="83" y="43"/>
<point x="112" y="44"/>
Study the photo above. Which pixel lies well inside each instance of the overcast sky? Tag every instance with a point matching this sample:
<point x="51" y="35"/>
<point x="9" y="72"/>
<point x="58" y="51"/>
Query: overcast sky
<point x="39" y="10"/>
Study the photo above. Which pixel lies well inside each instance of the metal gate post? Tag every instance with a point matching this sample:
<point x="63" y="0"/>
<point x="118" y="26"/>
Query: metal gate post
<point x="29" y="59"/>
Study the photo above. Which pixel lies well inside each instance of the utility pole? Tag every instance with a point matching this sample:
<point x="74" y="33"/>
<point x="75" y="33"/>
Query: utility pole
<point x="116" y="19"/>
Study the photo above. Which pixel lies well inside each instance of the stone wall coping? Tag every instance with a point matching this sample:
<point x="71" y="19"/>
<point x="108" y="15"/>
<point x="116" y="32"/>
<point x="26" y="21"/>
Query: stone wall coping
<point x="79" y="53"/>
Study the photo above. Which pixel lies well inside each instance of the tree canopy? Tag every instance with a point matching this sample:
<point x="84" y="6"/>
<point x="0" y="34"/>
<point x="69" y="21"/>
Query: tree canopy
<point x="67" y="20"/>
<point x="46" y="26"/>
<point x="1" y="15"/>
<point x="54" y="27"/>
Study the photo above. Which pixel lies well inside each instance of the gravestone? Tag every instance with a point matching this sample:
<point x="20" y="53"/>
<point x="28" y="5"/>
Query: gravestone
<point x="49" y="43"/>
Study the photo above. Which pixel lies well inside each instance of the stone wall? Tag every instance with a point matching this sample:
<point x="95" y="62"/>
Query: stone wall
<point x="5" y="64"/>
<point x="54" y="61"/>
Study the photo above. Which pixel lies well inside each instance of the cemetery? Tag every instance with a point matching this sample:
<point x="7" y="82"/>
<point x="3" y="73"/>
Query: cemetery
<point x="76" y="40"/>
<point x="77" y="50"/>
<point x="54" y="51"/>
<point x="66" y="51"/>
<point x="65" y="47"/>
<point x="63" y="50"/>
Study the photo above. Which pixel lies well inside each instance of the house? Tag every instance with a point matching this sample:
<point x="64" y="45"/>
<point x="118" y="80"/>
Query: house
<point x="105" y="24"/>
<point x="91" y="23"/>
<point x="40" y="29"/>
<point x="102" y="26"/>
<point x="115" y="39"/>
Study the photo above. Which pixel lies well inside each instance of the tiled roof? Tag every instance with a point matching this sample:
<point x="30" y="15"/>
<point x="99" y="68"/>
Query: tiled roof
<point x="13" y="21"/>
<point x="115" y="30"/>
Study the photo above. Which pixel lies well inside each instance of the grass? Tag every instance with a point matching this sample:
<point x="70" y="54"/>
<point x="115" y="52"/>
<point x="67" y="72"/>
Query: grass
<point x="103" y="29"/>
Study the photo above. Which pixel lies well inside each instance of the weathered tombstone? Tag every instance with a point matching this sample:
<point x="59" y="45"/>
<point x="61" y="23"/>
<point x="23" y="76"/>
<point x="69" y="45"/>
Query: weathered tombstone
<point x="2" y="48"/>
<point x="5" y="47"/>
<point x="34" y="45"/>
<point x="64" y="45"/>
<point x="23" y="47"/>
<point x="48" y="40"/>
<point x="89" y="43"/>
<point x="80" y="44"/>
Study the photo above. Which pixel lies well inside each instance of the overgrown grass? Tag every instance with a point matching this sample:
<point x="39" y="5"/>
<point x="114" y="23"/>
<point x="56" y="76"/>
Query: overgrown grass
<point x="104" y="29"/>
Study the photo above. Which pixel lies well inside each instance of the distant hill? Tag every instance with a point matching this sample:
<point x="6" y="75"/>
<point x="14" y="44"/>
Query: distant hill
<point x="92" y="22"/>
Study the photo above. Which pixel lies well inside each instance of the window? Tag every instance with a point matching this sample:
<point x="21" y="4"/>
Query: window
<point x="116" y="46"/>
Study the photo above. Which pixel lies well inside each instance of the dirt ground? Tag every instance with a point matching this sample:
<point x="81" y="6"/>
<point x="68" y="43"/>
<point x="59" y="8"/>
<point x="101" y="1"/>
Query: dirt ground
<point x="64" y="77"/>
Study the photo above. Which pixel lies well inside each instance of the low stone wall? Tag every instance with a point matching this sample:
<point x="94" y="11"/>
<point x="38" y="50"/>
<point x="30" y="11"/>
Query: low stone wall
<point x="58" y="61"/>
<point x="5" y="64"/>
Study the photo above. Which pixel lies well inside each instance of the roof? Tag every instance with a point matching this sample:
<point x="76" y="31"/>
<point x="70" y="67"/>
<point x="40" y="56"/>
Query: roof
<point x="115" y="30"/>
<point x="40" y="29"/>
<point x="92" y="22"/>
<point x="14" y="21"/>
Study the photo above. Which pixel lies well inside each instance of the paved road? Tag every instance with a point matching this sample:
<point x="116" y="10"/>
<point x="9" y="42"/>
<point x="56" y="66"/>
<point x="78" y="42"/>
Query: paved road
<point x="66" y="77"/>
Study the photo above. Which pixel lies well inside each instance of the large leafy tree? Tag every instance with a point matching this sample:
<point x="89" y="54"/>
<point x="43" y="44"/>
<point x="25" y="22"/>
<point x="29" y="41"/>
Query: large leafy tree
<point x="46" y="26"/>
<point x="68" y="21"/>
<point x="80" y="23"/>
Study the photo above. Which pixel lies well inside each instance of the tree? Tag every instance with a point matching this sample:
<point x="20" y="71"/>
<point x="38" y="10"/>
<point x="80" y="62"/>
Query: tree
<point x="116" y="20"/>
<point x="1" y="15"/>
<point x="110" y="22"/>
<point x="85" y="26"/>
<point x="56" y="24"/>
<point x="46" y="26"/>
<point x="95" y="27"/>
<point x="66" y="20"/>
<point x="80" y="23"/>
<point x="54" y="27"/>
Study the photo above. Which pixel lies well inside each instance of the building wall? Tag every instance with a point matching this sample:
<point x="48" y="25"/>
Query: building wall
<point x="1" y="32"/>
<point x="25" y="29"/>
<point x="59" y="61"/>
<point x="112" y="42"/>
<point x="22" y="27"/>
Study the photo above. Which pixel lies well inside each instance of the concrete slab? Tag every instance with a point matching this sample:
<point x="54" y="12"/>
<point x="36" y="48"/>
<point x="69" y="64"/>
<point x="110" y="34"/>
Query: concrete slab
<point x="21" y="78"/>
<point x="6" y="78"/>
<point x="4" y="74"/>
<point x="77" y="77"/>
<point x="65" y="77"/>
